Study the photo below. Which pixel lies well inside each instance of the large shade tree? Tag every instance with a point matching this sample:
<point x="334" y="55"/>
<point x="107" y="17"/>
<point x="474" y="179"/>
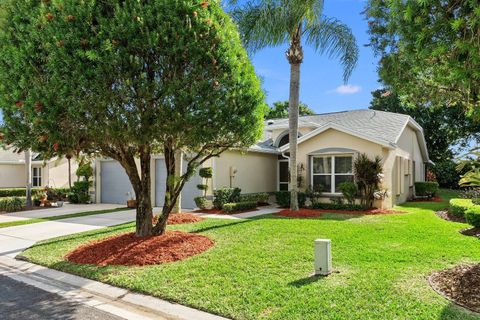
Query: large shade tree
<point x="269" y="23"/>
<point x="280" y="109"/>
<point x="126" y="79"/>
<point x="429" y="49"/>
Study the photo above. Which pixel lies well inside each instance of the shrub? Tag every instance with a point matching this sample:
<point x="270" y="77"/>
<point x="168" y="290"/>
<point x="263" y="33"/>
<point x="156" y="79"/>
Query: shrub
<point x="476" y="201"/>
<point x="225" y="195"/>
<point x="314" y="193"/>
<point x="206" y="173"/>
<point x="201" y="202"/>
<point x="349" y="191"/>
<point x="470" y="193"/>
<point x="259" y="198"/>
<point x="426" y="189"/>
<point x="12" y="204"/>
<point x="18" y="192"/>
<point x="202" y="187"/>
<point x="239" y="206"/>
<point x="283" y="199"/>
<point x="339" y="206"/>
<point x="368" y="175"/>
<point x="458" y="207"/>
<point x="85" y="170"/>
<point x="472" y="216"/>
<point x="446" y="174"/>
<point x="79" y="192"/>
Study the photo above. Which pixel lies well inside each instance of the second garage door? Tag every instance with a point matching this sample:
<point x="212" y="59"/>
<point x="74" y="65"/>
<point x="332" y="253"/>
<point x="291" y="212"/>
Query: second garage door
<point x="189" y="191"/>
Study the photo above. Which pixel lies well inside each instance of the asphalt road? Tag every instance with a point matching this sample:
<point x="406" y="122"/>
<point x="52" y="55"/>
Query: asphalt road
<point x="20" y="301"/>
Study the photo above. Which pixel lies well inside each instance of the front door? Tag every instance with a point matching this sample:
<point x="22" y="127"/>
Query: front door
<point x="283" y="175"/>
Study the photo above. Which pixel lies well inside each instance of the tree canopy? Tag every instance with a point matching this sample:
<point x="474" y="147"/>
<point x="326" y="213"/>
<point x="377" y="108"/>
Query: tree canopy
<point x="429" y="50"/>
<point x="127" y="79"/>
<point x="279" y="110"/>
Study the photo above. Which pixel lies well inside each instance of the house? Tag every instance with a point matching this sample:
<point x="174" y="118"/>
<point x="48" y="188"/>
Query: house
<point x="53" y="172"/>
<point x="327" y="146"/>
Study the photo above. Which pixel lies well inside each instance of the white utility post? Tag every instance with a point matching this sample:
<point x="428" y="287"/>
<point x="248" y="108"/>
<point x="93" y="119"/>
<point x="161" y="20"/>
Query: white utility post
<point x="323" y="257"/>
<point x="28" y="177"/>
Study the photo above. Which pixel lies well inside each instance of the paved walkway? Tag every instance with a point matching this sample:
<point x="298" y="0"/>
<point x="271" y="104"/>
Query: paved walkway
<point x="14" y="240"/>
<point x="53" y="212"/>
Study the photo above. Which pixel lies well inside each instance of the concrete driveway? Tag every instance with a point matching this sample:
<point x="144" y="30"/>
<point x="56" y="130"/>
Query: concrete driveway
<point x="52" y="212"/>
<point x="14" y="240"/>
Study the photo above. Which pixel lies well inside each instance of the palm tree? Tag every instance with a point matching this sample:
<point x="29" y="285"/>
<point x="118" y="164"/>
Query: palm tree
<point x="270" y="23"/>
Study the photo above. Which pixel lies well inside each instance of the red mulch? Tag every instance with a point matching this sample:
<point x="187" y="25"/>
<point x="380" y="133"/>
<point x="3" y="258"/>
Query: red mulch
<point x="460" y="284"/>
<point x="180" y="218"/>
<point x="315" y="213"/>
<point x="434" y="199"/>
<point x="217" y="211"/>
<point x="128" y="250"/>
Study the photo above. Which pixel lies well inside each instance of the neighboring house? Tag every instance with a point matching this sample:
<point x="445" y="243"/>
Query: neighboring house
<point x="327" y="146"/>
<point x="53" y="172"/>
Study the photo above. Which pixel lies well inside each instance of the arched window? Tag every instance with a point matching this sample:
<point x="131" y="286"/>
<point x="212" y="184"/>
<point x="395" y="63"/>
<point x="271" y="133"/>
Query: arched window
<point x="284" y="140"/>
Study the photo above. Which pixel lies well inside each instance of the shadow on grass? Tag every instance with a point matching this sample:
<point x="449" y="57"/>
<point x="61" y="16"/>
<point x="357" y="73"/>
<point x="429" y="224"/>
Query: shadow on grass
<point x="452" y="311"/>
<point x="306" y="281"/>
<point x="323" y="216"/>
<point x="221" y="226"/>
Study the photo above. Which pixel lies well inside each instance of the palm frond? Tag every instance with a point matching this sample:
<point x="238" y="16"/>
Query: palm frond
<point x="332" y="37"/>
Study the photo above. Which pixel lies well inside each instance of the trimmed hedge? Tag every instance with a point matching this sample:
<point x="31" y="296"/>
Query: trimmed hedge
<point x="225" y="195"/>
<point x="260" y="198"/>
<point x="18" y="192"/>
<point x="201" y="202"/>
<point x="283" y="199"/>
<point x="12" y="204"/>
<point x="339" y="206"/>
<point x="239" y="206"/>
<point x="458" y="207"/>
<point x="426" y="189"/>
<point x="472" y="216"/>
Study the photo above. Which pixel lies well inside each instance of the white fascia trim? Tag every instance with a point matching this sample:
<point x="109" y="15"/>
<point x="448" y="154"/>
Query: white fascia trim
<point x="343" y="129"/>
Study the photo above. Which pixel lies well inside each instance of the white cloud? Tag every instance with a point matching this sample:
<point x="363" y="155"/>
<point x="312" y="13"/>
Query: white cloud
<point x="348" y="89"/>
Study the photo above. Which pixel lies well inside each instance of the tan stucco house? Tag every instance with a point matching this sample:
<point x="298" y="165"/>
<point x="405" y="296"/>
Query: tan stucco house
<point x="52" y="173"/>
<point x="327" y="145"/>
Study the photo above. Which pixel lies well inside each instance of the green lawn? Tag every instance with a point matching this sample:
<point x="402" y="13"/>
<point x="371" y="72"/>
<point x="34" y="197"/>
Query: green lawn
<point x="66" y="216"/>
<point x="260" y="268"/>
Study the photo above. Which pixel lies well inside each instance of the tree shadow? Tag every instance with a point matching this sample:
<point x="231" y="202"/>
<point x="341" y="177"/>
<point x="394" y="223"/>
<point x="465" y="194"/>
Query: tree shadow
<point x="453" y="311"/>
<point x="221" y="226"/>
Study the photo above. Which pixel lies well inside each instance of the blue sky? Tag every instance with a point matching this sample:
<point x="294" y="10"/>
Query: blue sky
<point x="321" y="84"/>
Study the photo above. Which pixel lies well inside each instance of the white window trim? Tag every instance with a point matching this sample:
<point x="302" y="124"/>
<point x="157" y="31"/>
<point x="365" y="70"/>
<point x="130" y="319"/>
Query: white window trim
<point x="278" y="175"/>
<point x="332" y="174"/>
<point x="38" y="176"/>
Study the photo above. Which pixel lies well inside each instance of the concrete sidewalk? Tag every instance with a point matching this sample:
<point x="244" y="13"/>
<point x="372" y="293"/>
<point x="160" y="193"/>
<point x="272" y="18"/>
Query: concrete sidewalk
<point x="67" y="208"/>
<point x="14" y="240"/>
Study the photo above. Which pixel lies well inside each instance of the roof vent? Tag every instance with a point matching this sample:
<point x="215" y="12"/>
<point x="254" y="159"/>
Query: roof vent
<point x="270" y="122"/>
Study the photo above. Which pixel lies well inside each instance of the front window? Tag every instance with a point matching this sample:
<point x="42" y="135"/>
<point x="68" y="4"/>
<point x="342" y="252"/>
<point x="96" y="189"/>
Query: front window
<point x="328" y="172"/>
<point x="37" y="177"/>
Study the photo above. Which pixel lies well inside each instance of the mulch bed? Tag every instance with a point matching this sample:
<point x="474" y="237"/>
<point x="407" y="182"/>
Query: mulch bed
<point x="472" y="232"/>
<point x="128" y="250"/>
<point x="315" y="213"/>
<point x="180" y="218"/>
<point x="460" y="285"/>
<point x="445" y="215"/>
<point x="434" y="199"/>
<point x="217" y="211"/>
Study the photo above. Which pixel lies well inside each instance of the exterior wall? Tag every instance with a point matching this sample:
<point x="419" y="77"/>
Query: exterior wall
<point x="12" y="175"/>
<point x="337" y="139"/>
<point x="405" y="173"/>
<point x="55" y="173"/>
<point x="256" y="172"/>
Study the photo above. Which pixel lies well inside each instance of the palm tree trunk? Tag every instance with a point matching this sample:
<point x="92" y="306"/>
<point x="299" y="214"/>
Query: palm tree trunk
<point x="293" y="125"/>
<point x="295" y="58"/>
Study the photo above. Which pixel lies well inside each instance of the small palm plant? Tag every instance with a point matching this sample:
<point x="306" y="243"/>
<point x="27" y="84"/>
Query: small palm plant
<point x="270" y="23"/>
<point x="368" y="176"/>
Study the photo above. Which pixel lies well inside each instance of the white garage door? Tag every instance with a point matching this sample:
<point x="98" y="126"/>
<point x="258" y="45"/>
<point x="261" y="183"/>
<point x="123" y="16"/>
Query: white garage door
<point x="189" y="191"/>
<point x="114" y="183"/>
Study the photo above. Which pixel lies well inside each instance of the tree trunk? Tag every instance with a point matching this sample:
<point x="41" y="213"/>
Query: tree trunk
<point x="144" y="225"/>
<point x="69" y="158"/>
<point x="295" y="58"/>
<point x="28" y="176"/>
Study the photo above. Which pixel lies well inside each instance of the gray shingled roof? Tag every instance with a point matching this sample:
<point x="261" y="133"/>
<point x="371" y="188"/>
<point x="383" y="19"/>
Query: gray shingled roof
<point x="380" y="125"/>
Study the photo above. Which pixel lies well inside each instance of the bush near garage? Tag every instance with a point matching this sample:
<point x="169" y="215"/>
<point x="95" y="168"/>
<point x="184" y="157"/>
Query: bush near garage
<point x="225" y="195"/>
<point x="239" y="206"/>
<point x="283" y="199"/>
<point x="457" y="207"/>
<point x="260" y="198"/>
<point x="426" y="189"/>
<point x="12" y="204"/>
<point x="79" y="192"/>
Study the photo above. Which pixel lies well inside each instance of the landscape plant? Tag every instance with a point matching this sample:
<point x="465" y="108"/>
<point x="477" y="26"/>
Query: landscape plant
<point x="314" y="193"/>
<point x="368" y="176"/>
<point x="283" y="199"/>
<point x="472" y="216"/>
<point x="239" y="206"/>
<point x="426" y="189"/>
<point x="225" y="195"/>
<point x="458" y="207"/>
<point x="270" y="23"/>
<point x="126" y="80"/>
<point x="349" y="190"/>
